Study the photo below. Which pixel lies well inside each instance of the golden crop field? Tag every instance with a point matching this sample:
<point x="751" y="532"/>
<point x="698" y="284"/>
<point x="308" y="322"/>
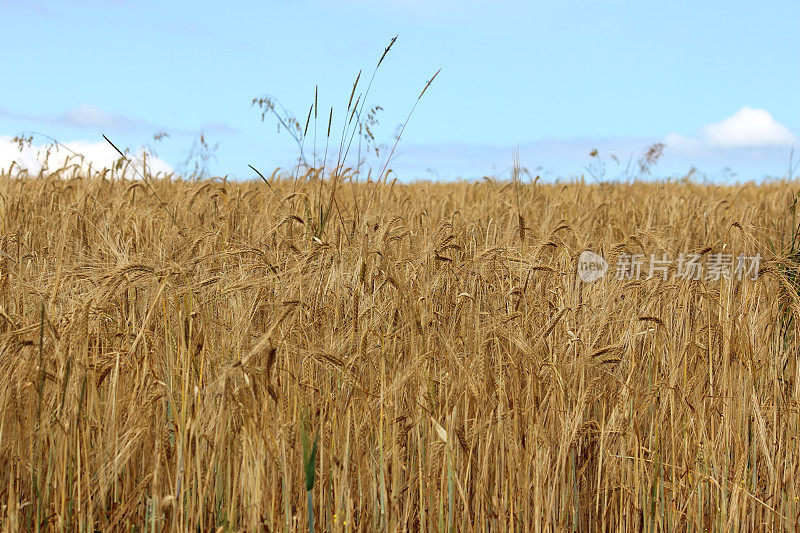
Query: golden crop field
<point x="422" y="357"/>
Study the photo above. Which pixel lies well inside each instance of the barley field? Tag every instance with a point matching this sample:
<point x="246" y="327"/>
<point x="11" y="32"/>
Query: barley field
<point x="254" y="356"/>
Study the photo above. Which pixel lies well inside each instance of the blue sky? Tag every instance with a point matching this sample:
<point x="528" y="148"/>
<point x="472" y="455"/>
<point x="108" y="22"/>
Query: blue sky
<point x="716" y="81"/>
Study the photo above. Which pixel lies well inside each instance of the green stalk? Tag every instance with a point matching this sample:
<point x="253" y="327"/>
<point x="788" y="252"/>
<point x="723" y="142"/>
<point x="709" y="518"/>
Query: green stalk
<point x="309" y="465"/>
<point x="310" y="507"/>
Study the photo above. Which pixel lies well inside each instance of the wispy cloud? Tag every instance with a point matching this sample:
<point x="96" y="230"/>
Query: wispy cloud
<point x="451" y="10"/>
<point x="91" y="118"/>
<point x="25" y="5"/>
<point x="85" y="116"/>
<point x="717" y="153"/>
<point x="218" y="128"/>
<point x="550" y="157"/>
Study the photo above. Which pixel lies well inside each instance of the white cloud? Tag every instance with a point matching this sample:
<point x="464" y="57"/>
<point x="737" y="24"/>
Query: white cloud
<point x="94" y="155"/>
<point x="747" y="129"/>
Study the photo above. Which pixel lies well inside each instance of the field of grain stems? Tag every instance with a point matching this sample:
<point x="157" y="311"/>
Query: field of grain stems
<point x="162" y="365"/>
